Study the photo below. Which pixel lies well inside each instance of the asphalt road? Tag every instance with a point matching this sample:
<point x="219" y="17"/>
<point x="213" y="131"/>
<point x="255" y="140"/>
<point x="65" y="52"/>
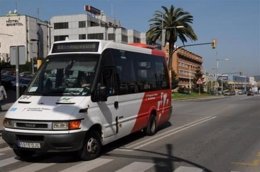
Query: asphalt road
<point x="218" y="135"/>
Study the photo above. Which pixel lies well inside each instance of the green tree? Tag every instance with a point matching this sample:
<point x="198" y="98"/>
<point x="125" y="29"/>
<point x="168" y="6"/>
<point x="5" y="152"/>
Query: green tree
<point x="169" y="19"/>
<point x="175" y="80"/>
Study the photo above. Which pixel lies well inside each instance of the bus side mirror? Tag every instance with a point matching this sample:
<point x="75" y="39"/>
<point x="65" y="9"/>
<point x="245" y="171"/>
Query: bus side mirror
<point x="103" y="93"/>
<point x="100" y="94"/>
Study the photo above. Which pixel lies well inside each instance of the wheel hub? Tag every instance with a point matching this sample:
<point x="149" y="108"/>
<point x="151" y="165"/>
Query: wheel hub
<point x="92" y="145"/>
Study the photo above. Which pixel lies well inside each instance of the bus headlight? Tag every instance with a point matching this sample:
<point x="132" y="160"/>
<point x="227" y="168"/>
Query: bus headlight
<point x="8" y="123"/>
<point x="60" y="125"/>
<point x="66" y="125"/>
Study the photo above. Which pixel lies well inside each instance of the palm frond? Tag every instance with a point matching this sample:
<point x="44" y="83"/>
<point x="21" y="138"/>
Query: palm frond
<point x="169" y="19"/>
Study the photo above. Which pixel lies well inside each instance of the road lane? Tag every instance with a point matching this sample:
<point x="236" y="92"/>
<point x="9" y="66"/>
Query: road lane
<point x="193" y="141"/>
<point x="232" y="137"/>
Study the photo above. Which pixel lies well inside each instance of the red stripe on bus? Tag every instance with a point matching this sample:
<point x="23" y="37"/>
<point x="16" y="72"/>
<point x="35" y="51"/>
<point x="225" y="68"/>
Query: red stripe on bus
<point x="160" y="101"/>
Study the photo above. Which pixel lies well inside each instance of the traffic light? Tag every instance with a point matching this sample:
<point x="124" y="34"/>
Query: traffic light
<point x="214" y="43"/>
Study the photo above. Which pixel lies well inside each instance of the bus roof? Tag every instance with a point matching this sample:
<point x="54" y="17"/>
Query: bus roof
<point x="97" y="47"/>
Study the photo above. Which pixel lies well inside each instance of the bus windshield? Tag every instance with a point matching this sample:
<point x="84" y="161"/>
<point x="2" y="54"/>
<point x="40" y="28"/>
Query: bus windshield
<point x="65" y="75"/>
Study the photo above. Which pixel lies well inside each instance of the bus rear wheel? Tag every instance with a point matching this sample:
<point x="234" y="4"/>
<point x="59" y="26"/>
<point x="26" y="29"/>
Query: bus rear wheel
<point x="152" y="126"/>
<point x="92" y="147"/>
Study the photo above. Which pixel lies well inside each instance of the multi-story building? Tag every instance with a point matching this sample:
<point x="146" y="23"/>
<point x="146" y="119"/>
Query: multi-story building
<point x="185" y="64"/>
<point x="94" y="24"/>
<point x="23" y="30"/>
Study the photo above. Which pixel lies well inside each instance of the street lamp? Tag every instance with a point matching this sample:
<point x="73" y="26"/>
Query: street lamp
<point x="164" y="31"/>
<point x="190" y="79"/>
<point x="219" y="60"/>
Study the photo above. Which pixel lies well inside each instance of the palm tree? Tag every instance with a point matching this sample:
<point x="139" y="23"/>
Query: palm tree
<point x="169" y="20"/>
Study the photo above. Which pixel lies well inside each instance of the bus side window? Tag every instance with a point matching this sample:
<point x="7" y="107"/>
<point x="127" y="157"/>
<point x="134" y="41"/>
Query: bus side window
<point x="125" y="69"/>
<point x="110" y="80"/>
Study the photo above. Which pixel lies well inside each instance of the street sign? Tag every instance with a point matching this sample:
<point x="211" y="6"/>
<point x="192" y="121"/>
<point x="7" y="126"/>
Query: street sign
<point x="199" y="82"/>
<point x="17" y="51"/>
<point x="223" y="78"/>
<point x="17" y="54"/>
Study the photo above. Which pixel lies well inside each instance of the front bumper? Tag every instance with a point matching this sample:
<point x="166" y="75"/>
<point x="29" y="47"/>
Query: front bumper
<point x="48" y="142"/>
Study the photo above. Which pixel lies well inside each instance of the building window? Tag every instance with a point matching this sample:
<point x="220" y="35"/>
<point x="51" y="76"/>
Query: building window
<point x="60" y="37"/>
<point x="136" y="40"/>
<point x="111" y="36"/>
<point x="82" y="24"/>
<point x="93" y="24"/>
<point x="124" y="38"/>
<point x="62" y="25"/>
<point x="82" y="36"/>
<point x="96" y="36"/>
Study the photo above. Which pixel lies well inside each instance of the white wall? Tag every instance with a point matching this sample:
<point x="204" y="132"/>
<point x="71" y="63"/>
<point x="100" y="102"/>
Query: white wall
<point x="17" y="26"/>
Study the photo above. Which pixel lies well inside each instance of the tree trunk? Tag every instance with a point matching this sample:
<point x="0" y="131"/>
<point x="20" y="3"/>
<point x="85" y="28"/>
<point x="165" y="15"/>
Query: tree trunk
<point x="171" y="48"/>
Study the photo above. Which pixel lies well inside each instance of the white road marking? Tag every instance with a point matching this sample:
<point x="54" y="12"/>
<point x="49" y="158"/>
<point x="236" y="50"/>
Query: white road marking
<point x="165" y="134"/>
<point x="8" y="161"/>
<point x="188" y="169"/>
<point x="88" y="165"/>
<point x="136" y="167"/>
<point x="33" y="167"/>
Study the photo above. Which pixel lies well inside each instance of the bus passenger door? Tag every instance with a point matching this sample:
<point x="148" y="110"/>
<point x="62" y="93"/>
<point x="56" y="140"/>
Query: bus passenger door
<point x="109" y="108"/>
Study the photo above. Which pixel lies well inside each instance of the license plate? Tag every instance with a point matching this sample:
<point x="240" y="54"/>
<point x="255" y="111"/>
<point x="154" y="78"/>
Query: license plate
<point x="29" y="145"/>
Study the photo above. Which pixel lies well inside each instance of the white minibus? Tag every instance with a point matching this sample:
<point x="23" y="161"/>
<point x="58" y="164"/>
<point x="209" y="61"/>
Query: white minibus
<point x="86" y="94"/>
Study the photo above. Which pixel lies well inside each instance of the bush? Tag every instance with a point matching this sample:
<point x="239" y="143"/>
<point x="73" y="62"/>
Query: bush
<point x="183" y="90"/>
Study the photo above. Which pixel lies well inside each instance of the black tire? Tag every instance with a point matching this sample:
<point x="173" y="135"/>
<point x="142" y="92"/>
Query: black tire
<point x="24" y="154"/>
<point x="152" y="126"/>
<point x="92" y="146"/>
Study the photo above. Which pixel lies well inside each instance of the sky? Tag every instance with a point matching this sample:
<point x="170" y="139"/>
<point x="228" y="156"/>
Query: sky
<point x="235" y="24"/>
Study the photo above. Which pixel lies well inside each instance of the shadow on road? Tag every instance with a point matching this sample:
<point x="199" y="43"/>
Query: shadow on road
<point x="163" y="162"/>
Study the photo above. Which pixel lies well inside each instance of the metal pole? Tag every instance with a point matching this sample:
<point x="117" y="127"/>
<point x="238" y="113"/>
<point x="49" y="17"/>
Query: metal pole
<point x="217" y="76"/>
<point x="190" y="79"/>
<point x="32" y="65"/>
<point x="222" y="85"/>
<point x="17" y="73"/>
<point x="163" y="38"/>
<point x="245" y="84"/>
<point x="163" y="35"/>
<point x="199" y="89"/>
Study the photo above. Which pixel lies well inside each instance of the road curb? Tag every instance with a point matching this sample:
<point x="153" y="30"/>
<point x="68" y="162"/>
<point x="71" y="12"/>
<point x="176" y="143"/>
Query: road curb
<point x="202" y="98"/>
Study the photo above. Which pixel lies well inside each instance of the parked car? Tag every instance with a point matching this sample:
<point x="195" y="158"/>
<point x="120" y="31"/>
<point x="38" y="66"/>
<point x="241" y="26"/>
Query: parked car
<point x="229" y="93"/>
<point x="250" y="93"/>
<point x="241" y="92"/>
<point x="23" y="83"/>
<point x="7" y="81"/>
<point x="26" y="74"/>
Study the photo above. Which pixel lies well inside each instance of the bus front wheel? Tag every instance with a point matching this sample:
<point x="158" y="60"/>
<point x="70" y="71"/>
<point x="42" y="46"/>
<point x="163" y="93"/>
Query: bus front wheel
<point x="92" y="146"/>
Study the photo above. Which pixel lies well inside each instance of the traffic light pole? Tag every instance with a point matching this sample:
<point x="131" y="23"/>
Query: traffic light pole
<point x="191" y="45"/>
<point x="213" y="44"/>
